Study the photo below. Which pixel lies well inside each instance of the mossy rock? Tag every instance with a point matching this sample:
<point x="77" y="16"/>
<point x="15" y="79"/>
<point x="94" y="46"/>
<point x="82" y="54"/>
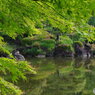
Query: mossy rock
<point x="67" y="48"/>
<point x="63" y="50"/>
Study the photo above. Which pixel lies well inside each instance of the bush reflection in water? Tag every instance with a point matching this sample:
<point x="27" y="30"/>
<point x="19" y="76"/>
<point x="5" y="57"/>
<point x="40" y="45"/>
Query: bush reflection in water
<point x="58" y="76"/>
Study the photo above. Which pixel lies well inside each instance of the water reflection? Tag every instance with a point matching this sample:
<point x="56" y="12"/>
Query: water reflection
<point x="58" y="76"/>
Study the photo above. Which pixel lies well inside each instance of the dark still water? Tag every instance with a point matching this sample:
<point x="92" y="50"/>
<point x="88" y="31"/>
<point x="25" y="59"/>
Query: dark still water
<point x="58" y="76"/>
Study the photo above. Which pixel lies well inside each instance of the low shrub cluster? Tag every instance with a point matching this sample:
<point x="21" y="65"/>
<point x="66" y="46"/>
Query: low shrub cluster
<point x="38" y="46"/>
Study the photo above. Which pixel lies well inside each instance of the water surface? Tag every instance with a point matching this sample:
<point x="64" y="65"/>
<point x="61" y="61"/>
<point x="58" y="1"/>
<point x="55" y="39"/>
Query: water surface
<point x="58" y="76"/>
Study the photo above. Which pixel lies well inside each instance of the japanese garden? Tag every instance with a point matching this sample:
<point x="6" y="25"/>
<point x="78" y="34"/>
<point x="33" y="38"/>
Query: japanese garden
<point x="47" y="47"/>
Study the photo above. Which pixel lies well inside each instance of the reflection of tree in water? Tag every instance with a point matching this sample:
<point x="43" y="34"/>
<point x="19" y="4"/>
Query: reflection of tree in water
<point x="37" y="83"/>
<point x="67" y="80"/>
<point x="90" y="77"/>
<point x="68" y="77"/>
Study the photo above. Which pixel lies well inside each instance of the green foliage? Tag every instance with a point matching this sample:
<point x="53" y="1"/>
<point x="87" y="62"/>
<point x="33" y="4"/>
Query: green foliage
<point x="65" y="40"/>
<point x="36" y="44"/>
<point x="48" y="44"/>
<point x="4" y="52"/>
<point x="65" y="43"/>
<point x="11" y="70"/>
<point x="20" y="17"/>
<point x="68" y="48"/>
<point x="32" y="52"/>
<point x="15" y="16"/>
<point x="27" y="41"/>
<point x="16" y="69"/>
<point x="2" y="41"/>
<point x="78" y="43"/>
<point x="92" y="21"/>
<point x="7" y="88"/>
<point x="38" y="17"/>
<point x="39" y="46"/>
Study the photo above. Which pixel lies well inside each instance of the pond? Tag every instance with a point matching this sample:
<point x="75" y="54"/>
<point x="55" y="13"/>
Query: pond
<point x="61" y="76"/>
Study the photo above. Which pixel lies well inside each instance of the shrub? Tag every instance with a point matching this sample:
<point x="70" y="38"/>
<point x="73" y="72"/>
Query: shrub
<point x="29" y="41"/>
<point x="33" y="51"/>
<point x="48" y="44"/>
<point x="78" y="43"/>
<point x="37" y="38"/>
<point x="36" y="44"/>
<point x="65" y="40"/>
<point x="68" y="48"/>
<point x="43" y="44"/>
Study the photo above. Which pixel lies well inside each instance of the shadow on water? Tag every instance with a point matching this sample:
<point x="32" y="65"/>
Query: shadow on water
<point x="58" y="76"/>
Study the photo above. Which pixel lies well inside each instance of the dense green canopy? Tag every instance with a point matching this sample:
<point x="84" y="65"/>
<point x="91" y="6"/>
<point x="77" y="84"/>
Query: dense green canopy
<point x="69" y="16"/>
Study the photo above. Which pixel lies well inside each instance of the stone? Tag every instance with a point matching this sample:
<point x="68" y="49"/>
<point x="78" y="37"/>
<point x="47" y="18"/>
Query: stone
<point x="18" y="56"/>
<point x="40" y="56"/>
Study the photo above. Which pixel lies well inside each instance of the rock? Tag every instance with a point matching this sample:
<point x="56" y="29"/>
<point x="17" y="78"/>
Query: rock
<point x="78" y="51"/>
<point x="58" y="51"/>
<point x="40" y="56"/>
<point x="49" y="54"/>
<point x="18" y="56"/>
<point x="87" y="48"/>
<point x="63" y="50"/>
<point x="82" y="51"/>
